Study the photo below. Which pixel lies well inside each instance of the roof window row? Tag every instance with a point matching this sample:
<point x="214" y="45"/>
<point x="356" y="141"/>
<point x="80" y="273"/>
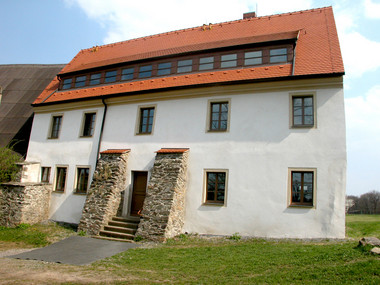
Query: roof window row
<point x="196" y="63"/>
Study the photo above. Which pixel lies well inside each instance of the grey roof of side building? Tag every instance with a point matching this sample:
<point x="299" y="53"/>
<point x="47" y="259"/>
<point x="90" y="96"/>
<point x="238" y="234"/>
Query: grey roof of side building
<point x="20" y="85"/>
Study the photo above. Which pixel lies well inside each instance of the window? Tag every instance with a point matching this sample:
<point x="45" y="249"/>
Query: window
<point x="253" y="57"/>
<point x="67" y="83"/>
<point x="278" y="55"/>
<point x="95" y="78"/>
<point x="82" y="179"/>
<point x="55" y="127"/>
<point x="80" y="81"/>
<point x="185" y="66"/>
<point x="127" y="73"/>
<point x="216" y="186"/>
<point x="145" y="71"/>
<point x="146" y="120"/>
<point x="228" y="60"/>
<point x="206" y="63"/>
<point x="303" y="111"/>
<point x="110" y="76"/>
<point x="302" y="187"/>
<point x="88" y="124"/>
<point x="218" y="116"/>
<point x="45" y="174"/>
<point x="60" y="179"/>
<point x="164" y="68"/>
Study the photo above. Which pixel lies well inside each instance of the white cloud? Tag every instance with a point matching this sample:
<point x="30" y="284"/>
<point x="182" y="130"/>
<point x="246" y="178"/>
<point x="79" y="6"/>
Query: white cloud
<point x="363" y="120"/>
<point x="372" y="10"/>
<point x="359" y="52"/>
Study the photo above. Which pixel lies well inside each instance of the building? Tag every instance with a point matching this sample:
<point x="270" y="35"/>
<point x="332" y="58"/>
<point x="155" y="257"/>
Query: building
<point x="20" y="85"/>
<point x="223" y="128"/>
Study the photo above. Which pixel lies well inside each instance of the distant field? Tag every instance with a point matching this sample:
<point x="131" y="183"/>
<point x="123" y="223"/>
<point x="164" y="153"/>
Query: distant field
<point x="358" y="226"/>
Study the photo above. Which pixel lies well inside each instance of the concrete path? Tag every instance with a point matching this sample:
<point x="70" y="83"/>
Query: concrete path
<point x="77" y="250"/>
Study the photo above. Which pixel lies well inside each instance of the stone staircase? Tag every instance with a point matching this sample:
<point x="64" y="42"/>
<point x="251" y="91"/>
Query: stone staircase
<point x="119" y="229"/>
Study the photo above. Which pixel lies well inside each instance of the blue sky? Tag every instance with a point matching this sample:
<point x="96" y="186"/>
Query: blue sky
<point x="46" y="31"/>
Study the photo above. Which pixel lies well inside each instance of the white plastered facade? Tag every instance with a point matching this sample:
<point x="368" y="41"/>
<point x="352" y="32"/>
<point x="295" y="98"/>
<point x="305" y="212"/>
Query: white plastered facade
<point x="258" y="151"/>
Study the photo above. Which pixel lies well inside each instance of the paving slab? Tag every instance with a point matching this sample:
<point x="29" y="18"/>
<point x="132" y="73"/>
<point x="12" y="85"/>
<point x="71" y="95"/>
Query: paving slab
<point x="77" y="250"/>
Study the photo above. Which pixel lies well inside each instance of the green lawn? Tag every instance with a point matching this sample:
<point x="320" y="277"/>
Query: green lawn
<point x="195" y="260"/>
<point x="358" y="226"/>
<point x="246" y="262"/>
<point x="37" y="235"/>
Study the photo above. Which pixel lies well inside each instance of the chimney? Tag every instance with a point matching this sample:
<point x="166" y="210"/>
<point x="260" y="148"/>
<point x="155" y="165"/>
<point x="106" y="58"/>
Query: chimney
<point x="249" y="15"/>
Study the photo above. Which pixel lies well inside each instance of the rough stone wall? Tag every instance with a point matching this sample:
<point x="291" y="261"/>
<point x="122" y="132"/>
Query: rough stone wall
<point x="164" y="206"/>
<point x="104" y="195"/>
<point x="24" y="203"/>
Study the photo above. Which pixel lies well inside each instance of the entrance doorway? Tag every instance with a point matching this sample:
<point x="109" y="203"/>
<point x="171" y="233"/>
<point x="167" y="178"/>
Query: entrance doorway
<point x="140" y="179"/>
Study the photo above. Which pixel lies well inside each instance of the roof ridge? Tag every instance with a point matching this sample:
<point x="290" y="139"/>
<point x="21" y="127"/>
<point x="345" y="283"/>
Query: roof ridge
<point x="199" y="27"/>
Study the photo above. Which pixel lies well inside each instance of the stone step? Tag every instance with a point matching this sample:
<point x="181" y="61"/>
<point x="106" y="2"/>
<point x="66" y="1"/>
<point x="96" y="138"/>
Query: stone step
<point x="126" y="220"/>
<point x="113" y="239"/>
<point x="123" y="224"/>
<point x="112" y="234"/>
<point x="125" y="230"/>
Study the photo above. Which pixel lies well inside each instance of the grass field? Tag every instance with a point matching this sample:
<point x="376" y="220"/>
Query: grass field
<point x="362" y="225"/>
<point x="194" y="260"/>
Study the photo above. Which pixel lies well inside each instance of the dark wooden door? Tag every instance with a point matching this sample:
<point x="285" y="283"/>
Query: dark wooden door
<point x="140" y="179"/>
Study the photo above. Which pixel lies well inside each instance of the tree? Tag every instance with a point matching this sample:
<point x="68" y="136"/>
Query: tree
<point x="8" y="167"/>
<point x="368" y="203"/>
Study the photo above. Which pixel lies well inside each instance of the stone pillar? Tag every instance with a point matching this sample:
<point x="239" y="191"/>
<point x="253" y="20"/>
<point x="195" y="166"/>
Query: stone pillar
<point x="104" y="195"/>
<point x="24" y="203"/>
<point x="163" y="212"/>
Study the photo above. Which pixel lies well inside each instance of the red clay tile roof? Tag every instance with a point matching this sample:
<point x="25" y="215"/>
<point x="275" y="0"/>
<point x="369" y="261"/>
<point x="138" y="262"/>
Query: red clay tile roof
<point x="317" y="53"/>
<point x="115" y="151"/>
<point x="172" y="150"/>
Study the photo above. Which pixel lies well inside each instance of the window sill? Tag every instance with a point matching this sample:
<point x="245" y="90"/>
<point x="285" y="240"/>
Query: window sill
<point x="80" y="193"/>
<point x="303" y="127"/>
<point x="217" y="131"/>
<point x="59" y="191"/>
<point x="49" y="138"/>
<point x="213" y="204"/>
<point x="301" y="206"/>
<point x="85" y="137"/>
<point x="143" y="134"/>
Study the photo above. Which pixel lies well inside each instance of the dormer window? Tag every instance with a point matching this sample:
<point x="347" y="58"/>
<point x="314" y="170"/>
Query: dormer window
<point x="95" y="78"/>
<point x="67" y="83"/>
<point x="206" y="63"/>
<point x="80" y="81"/>
<point x="110" y="76"/>
<point x="185" y="66"/>
<point x="253" y="57"/>
<point x="164" y="68"/>
<point x="145" y="71"/>
<point x="127" y="73"/>
<point x="228" y="60"/>
<point x="238" y="58"/>
<point x="278" y="55"/>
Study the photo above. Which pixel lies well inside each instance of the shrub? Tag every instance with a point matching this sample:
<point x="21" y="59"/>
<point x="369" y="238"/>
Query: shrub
<point x="8" y="167"/>
<point x="235" y="237"/>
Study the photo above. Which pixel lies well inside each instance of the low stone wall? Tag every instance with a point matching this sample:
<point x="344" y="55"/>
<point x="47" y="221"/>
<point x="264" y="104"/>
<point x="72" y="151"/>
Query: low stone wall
<point x="164" y="205"/>
<point x="104" y="195"/>
<point x="24" y="203"/>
